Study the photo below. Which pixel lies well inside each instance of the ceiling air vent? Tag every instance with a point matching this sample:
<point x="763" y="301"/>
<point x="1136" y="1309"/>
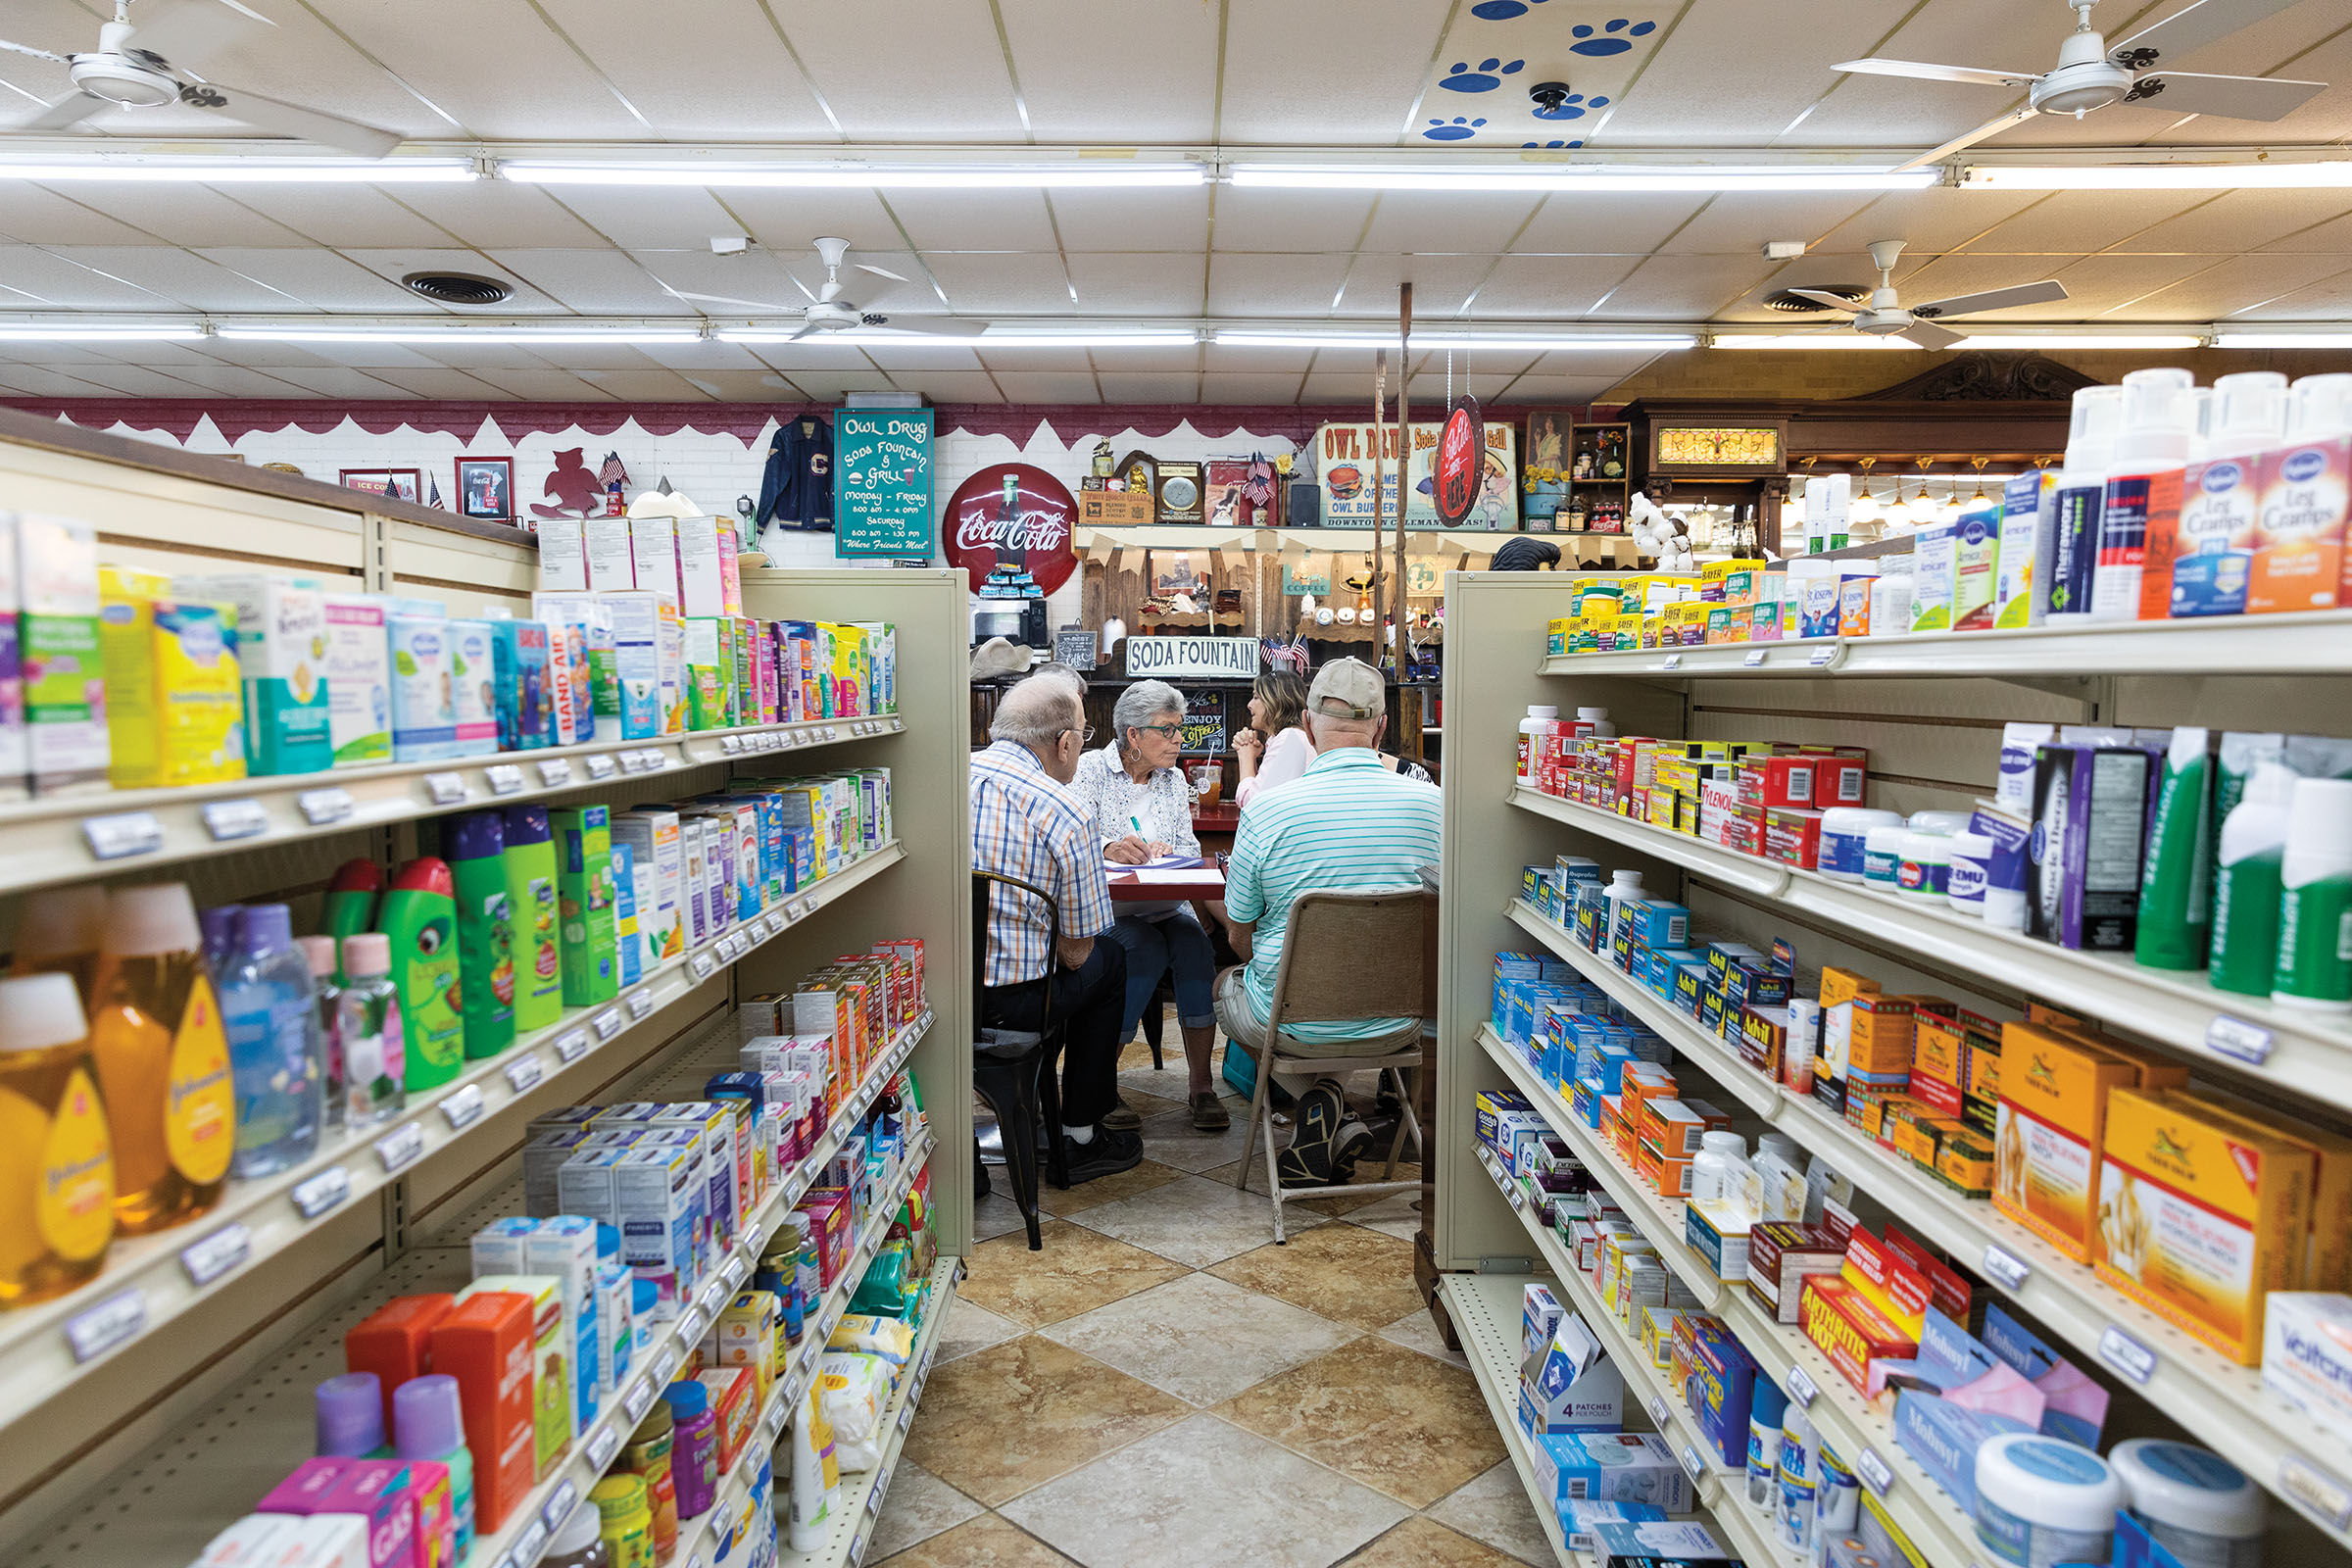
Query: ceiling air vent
<point x="458" y="288"/>
<point x="1797" y="303"/>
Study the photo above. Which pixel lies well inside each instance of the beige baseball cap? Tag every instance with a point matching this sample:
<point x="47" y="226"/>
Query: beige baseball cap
<point x="1347" y="688"/>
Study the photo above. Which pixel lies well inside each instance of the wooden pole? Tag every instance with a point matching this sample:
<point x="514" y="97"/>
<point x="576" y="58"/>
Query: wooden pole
<point x="1404" y="469"/>
<point x="1380" y="421"/>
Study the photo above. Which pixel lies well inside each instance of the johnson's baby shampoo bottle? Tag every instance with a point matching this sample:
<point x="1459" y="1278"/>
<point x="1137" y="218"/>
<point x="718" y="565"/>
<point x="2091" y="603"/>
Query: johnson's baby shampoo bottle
<point x="163" y="1060"/>
<point x="57" y="1157"/>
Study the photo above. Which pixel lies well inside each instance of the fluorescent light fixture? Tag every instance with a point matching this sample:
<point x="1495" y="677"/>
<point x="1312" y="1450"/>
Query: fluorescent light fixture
<point x="977" y="340"/>
<point x="456" y="334"/>
<point x="2086" y="340"/>
<point x="2158" y="177"/>
<point x="2341" y="339"/>
<point x="100" y="166"/>
<point x="1544" y="343"/>
<point x="1577" y="176"/>
<point x="877" y="176"/>
<point x="1802" y="340"/>
<point x="17" y="332"/>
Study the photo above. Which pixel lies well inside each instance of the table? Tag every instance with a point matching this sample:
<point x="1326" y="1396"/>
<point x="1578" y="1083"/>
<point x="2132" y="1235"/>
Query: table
<point x="1198" y="885"/>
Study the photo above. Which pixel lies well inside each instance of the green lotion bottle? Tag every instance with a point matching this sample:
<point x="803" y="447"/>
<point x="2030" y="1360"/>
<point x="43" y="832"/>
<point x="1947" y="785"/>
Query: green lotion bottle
<point x="419" y="915"/>
<point x="530" y="864"/>
<point x="475" y="842"/>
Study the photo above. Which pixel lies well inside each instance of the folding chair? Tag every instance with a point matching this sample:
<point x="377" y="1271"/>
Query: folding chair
<point x="1343" y="959"/>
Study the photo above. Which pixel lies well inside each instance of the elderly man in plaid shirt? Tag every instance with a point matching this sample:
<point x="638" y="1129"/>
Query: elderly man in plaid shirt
<point x="1024" y="825"/>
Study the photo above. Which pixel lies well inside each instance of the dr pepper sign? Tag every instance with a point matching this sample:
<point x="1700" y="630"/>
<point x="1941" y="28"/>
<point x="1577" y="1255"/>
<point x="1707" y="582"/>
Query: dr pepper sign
<point x="1461" y="463"/>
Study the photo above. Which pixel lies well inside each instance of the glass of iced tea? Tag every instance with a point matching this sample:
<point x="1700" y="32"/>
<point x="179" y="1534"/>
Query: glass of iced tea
<point x="1208" y="783"/>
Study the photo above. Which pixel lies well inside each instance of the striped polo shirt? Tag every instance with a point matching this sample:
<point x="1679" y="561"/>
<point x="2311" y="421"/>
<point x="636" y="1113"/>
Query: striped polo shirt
<point x="1347" y="825"/>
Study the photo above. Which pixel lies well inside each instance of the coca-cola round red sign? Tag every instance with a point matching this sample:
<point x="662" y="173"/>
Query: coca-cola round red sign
<point x="1011" y="514"/>
<point x="1461" y="463"/>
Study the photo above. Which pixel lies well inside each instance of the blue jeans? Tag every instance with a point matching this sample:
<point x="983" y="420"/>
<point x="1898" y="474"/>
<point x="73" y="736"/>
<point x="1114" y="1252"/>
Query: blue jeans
<point x="1158" y="947"/>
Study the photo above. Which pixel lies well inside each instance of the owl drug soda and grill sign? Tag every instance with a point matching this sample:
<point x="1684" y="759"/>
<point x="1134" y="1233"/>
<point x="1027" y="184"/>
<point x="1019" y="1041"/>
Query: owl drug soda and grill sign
<point x="882" y="483"/>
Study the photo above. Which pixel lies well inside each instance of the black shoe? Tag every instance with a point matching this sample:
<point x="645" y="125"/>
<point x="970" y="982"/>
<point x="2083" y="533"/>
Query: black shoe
<point x="1348" y="1144"/>
<point x="1109" y="1152"/>
<point x="1307" y="1161"/>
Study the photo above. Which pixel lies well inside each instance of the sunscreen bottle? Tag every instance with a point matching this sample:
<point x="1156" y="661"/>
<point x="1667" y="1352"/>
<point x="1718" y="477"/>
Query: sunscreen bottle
<point x="2142" y="497"/>
<point x="351" y="899"/>
<point x="475" y="842"/>
<point x="2305" y="491"/>
<point x="161" y="1060"/>
<point x="2221" y="498"/>
<point x="2315" y="901"/>
<point x="57" y="1179"/>
<point x="420" y="916"/>
<point x="2245" y="888"/>
<point x="2173" y="898"/>
<point x="531" y="894"/>
<point x="2072" y="504"/>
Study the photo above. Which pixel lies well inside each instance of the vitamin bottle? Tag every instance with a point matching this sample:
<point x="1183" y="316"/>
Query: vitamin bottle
<point x="163" y="1060"/>
<point x="694" y="1453"/>
<point x="648" y="1457"/>
<point x="57" y="1157"/>
<point x="1540" y="724"/>
<point x="623" y="1520"/>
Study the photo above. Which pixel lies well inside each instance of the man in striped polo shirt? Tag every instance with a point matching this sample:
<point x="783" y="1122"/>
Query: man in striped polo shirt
<point x="1347" y="825"/>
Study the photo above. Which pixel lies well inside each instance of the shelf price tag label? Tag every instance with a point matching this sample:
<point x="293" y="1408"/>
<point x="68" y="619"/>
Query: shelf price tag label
<point x="655" y="761"/>
<point x="735" y="1272"/>
<point x="1670" y="662"/>
<point x="464" y="1108"/>
<point x="531" y="1543"/>
<point x="700" y="965"/>
<point x="667" y="1367"/>
<point x="690" y="1327"/>
<point x="873" y="1498"/>
<point x="1822" y="656"/>
<point x="641" y="1003"/>
<point x="206" y="1260"/>
<point x="398" y="1149"/>
<point x="319" y="807"/>
<point x="571" y="1044"/>
<point x="2237" y="1040"/>
<point x="505" y="778"/>
<point x="96" y="1330"/>
<point x="1658" y="1410"/>
<point x="639" y="1399"/>
<point x="606" y="1023"/>
<point x="600" y="767"/>
<point x="1694" y="1464"/>
<point x="2007" y="1271"/>
<point x="121" y="834"/>
<point x="601" y="1446"/>
<point x="316" y="1195"/>
<point x="555" y="772"/>
<point x="2315" y="1492"/>
<point x="1872" y="1471"/>
<point x="1801" y="1388"/>
<point x="446" y="789"/>
<point x="632" y="761"/>
<point x="524" y="1072"/>
<point x="778" y="1420"/>
<point x="857" y="1550"/>
<point x="2127" y="1354"/>
<point x="730" y="744"/>
<point x="559" y="1504"/>
<point x="234" y="820"/>
<point x="1753" y="659"/>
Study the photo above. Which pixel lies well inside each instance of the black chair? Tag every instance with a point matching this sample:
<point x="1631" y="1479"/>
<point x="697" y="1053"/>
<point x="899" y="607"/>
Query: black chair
<point x="1155" y="1020"/>
<point x="1014" y="1075"/>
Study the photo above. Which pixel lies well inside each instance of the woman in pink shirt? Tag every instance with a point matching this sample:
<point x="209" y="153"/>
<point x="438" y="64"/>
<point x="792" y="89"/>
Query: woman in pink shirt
<point x="1274" y="750"/>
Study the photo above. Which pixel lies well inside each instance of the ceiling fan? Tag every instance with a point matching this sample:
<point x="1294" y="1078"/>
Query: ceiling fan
<point x="2092" y="75"/>
<point x="1884" y="317"/>
<point x="133" y="67"/>
<point x="827" y="311"/>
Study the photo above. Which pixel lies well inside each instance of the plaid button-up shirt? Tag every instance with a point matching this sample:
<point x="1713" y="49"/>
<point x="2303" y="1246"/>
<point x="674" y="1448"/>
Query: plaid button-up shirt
<point x="1025" y="825"/>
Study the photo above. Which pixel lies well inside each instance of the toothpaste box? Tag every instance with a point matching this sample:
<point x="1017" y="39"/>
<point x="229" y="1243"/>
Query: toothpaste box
<point x="282" y="656"/>
<point x="473" y="681"/>
<point x="359" y="679"/>
<point x="519" y="667"/>
<point x="63" y="674"/>
<point x="637" y="663"/>
<point x="424" y="698"/>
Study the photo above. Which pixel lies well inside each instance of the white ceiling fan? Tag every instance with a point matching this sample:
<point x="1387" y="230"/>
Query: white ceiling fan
<point x="1885" y="316"/>
<point x="827" y="311"/>
<point x="2091" y="74"/>
<point x="155" y="61"/>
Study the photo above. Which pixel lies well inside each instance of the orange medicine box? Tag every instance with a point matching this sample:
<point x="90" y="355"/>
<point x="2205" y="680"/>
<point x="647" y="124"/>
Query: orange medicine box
<point x="2201" y="1215"/>
<point x="1878" y="1035"/>
<point x="2051" y="1124"/>
<point x="2327" y="1264"/>
<point x="488" y="1342"/>
<point x="735" y="1402"/>
<point x="1855" y="1335"/>
<point x="395" y="1342"/>
<point x="1890" y="1284"/>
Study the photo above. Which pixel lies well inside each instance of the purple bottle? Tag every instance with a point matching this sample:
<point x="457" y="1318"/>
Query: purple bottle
<point x="694" y="1451"/>
<point x="350" y="1412"/>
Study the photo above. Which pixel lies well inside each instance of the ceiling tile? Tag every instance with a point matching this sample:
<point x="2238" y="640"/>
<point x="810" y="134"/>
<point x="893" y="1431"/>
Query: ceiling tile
<point x="1049" y="359"/>
<point x="1165" y="386"/>
<point x="1738" y="223"/>
<point x="831" y="387"/>
<point x="789" y="222"/>
<point x="1477" y="89"/>
<point x="176" y="276"/>
<point x="338" y="381"/>
<point x="949" y="386"/>
<point x="1442" y="285"/>
<point x="591" y="282"/>
<point x="495" y="215"/>
<point x="650" y="216"/>
<point x="324" y="280"/>
<point x="1018" y="282"/>
<point x="974" y="220"/>
<point x="940" y="77"/>
<point x="1341" y="71"/>
<point x="2097" y="284"/>
<point x="1582" y="225"/>
<point x="702" y="357"/>
<point x="1252" y="220"/>
<point x="1614" y="367"/>
<point x="2240" y="221"/>
<point x="2329" y="300"/>
<point x="41" y="381"/>
<point x="1132" y="220"/>
<point x="1857" y="111"/>
<point x="46" y="277"/>
<point x="40" y="215"/>
<point x="1047" y="387"/>
<point x="742" y="386"/>
<point x="1157" y="64"/>
<point x="915" y="353"/>
<point x="1248" y="387"/>
<point x="395" y="264"/>
<point x="1932" y="222"/>
<point x="1273" y="285"/>
<point x="137" y="381"/>
<point x="2073" y="223"/>
<point x="440" y="384"/>
<point x="1436" y="220"/>
<point x="1555" y="389"/>
<point x="735" y="67"/>
<point x="1139" y="285"/>
<point x="1683" y="288"/>
<point x="235" y="381"/>
<point x="1703" y="83"/>
<point x="339" y="216"/>
<point x="2236" y="283"/>
<point x="640" y="386"/>
<point x="1550" y="287"/>
<point x="511" y="77"/>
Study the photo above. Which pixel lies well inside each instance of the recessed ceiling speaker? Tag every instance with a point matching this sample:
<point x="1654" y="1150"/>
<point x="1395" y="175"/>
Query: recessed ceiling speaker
<point x="1797" y="303"/>
<point x="458" y="288"/>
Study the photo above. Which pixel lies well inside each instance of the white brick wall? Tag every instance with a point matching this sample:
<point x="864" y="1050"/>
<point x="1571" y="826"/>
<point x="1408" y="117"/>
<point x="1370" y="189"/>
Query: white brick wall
<point x="714" y="469"/>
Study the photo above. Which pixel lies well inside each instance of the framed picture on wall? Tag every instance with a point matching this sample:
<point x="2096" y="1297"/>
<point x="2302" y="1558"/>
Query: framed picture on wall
<point x="401" y="484"/>
<point x="486" y="489"/>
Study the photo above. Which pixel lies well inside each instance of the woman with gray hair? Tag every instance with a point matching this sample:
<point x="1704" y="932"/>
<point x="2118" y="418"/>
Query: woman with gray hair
<point x="1135" y="793"/>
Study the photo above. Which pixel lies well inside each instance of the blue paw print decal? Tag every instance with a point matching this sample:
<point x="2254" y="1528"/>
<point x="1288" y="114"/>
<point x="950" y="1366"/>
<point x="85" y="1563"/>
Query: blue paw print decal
<point x="1572" y="107"/>
<point x="1500" y="10"/>
<point x="1485" y="78"/>
<point x="1552" y="146"/>
<point x="1615" y="38"/>
<point x="1455" y="129"/>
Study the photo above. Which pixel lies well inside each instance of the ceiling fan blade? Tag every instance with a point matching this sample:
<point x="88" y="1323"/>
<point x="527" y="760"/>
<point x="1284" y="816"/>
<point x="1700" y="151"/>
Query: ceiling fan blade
<point x="1927" y="335"/>
<point x="1992" y="127"/>
<point x="882" y="272"/>
<point x="804" y="289"/>
<point x="929" y="326"/>
<point x="2229" y="97"/>
<point x="2191" y="28"/>
<point x="71" y="109"/>
<point x="2046" y="292"/>
<point x="291" y="119"/>
<point x="27" y="49"/>
<point x="1923" y="70"/>
<point x="1828" y="300"/>
<point x="248" y="11"/>
<point x="192" y="33"/>
<point x="727" y="299"/>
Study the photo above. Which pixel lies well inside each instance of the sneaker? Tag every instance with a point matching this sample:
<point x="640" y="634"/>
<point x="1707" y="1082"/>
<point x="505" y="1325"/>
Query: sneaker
<point x="1348" y="1144"/>
<point x="1122" y="1118"/>
<point x="1209" y="1114"/>
<point x="1110" y="1152"/>
<point x="1307" y="1161"/>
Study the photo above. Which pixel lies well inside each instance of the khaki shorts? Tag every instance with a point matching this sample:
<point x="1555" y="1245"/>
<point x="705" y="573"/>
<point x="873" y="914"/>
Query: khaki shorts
<point x="1238" y="1017"/>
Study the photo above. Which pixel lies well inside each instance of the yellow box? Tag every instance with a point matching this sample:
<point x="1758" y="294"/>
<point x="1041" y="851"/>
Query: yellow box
<point x="1879" y="1034"/>
<point x="2201" y="1215"/>
<point x="174" y="699"/>
<point x="1843" y="985"/>
<point x="1557" y="633"/>
<point x="2048" y="1132"/>
<point x="2328" y="1262"/>
<point x="1964" y="1162"/>
<point x="746" y="1336"/>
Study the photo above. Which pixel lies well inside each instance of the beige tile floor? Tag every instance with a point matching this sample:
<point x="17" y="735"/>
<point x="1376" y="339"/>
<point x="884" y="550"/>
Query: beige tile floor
<point x="1162" y="1386"/>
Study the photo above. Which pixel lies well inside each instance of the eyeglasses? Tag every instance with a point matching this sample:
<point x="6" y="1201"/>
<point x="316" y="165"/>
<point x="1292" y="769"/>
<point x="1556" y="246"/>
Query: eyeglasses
<point x="1171" y="731"/>
<point x="1084" y="735"/>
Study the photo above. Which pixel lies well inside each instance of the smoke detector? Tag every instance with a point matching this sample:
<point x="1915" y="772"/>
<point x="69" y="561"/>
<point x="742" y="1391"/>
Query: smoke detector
<point x="729" y="244"/>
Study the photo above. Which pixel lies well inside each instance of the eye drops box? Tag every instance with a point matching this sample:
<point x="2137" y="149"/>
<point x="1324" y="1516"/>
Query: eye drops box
<point x="64" y="676"/>
<point x="359" y="679"/>
<point x="281" y="658"/>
